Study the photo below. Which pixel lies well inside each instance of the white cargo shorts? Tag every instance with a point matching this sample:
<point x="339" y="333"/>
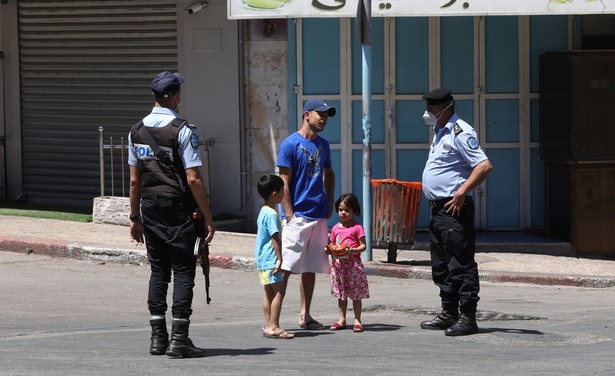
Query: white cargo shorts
<point x="303" y="244"/>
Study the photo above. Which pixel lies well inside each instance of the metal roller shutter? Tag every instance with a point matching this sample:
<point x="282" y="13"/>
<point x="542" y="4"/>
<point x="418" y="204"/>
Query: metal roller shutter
<point x="84" y="64"/>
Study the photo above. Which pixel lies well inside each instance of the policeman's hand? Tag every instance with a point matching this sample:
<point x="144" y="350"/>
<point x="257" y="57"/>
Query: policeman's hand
<point x="453" y="207"/>
<point x="136" y="232"/>
<point x="209" y="228"/>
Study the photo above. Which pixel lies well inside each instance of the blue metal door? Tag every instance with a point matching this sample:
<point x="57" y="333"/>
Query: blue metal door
<point x="490" y="63"/>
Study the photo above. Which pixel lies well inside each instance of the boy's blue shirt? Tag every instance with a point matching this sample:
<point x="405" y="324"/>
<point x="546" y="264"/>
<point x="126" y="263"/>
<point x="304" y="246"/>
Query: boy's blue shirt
<point x="268" y="223"/>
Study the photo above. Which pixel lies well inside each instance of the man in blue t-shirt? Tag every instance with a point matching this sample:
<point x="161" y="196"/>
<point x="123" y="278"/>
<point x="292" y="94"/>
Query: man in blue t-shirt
<point x="304" y="163"/>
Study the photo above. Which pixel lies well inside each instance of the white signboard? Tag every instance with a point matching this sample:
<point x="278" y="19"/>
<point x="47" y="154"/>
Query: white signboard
<point x="247" y="9"/>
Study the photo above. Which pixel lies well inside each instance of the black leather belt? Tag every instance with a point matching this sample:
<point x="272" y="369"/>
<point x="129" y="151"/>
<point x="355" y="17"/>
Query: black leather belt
<point x="439" y="203"/>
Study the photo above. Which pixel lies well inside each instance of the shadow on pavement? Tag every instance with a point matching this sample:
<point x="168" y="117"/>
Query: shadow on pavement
<point x="510" y="331"/>
<point x="238" y="352"/>
<point x="381" y="327"/>
<point x="305" y="333"/>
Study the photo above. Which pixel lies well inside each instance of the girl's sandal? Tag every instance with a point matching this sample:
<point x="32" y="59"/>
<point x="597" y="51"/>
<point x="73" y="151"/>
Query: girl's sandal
<point x="337" y="326"/>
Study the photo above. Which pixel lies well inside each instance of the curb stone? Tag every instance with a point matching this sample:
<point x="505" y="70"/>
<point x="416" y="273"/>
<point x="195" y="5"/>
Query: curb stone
<point x="376" y="268"/>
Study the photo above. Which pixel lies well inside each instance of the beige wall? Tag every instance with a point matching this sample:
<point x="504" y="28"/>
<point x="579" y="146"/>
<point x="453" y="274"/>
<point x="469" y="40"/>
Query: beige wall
<point x="266" y="76"/>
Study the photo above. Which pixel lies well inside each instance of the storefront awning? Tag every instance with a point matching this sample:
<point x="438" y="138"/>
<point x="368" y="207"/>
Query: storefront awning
<point x="248" y="9"/>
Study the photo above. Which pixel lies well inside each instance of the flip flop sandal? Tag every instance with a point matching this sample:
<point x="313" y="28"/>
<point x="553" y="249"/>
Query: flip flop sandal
<point x="358" y="328"/>
<point x="280" y="334"/>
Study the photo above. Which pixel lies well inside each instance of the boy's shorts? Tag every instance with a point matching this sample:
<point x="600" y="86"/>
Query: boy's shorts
<point x="268" y="278"/>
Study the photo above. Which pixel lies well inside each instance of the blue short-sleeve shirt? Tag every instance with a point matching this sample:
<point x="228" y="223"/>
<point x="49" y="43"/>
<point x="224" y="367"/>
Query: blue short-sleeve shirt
<point x="453" y="154"/>
<point x="307" y="159"/>
<point x="268" y="224"/>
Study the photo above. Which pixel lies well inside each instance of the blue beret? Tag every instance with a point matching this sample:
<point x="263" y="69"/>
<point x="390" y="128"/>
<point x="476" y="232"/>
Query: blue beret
<point x="437" y="96"/>
<point x="166" y="83"/>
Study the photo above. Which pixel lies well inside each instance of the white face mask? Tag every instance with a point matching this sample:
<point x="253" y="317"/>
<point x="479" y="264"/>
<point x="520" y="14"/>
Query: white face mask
<point x="429" y="118"/>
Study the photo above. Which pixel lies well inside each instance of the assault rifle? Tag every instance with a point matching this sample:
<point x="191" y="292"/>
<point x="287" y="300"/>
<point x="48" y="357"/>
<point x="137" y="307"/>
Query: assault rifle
<point x="201" y="247"/>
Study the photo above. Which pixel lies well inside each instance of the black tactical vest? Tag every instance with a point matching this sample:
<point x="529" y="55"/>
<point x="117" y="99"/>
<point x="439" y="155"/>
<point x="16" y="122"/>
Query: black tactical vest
<point x="162" y="177"/>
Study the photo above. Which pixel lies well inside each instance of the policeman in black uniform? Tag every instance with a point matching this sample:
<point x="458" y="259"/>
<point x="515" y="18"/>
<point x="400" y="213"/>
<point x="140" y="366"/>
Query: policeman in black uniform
<point x="455" y="166"/>
<point x="165" y="189"/>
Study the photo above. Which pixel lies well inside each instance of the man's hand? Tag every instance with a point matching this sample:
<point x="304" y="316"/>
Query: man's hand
<point x="136" y="232"/>
<point x="453" y="207"/>
<point x="210" y="230"/>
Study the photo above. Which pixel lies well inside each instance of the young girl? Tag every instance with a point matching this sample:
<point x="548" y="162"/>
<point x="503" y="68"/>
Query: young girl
<point x="348" y="278"/>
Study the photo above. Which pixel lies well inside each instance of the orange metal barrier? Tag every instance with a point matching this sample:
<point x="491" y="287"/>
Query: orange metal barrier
<point x="396" y="209"/>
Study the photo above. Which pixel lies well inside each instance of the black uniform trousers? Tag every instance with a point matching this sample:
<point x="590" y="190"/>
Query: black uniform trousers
<point x="170" y="235"/>
<point x="454" y="271"/>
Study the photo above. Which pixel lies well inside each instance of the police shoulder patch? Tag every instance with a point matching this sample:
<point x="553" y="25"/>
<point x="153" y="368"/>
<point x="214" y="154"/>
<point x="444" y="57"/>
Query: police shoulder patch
<point x="457" y="129"/>
<point x="473" y="143"/>
<point x="194" y="140"/>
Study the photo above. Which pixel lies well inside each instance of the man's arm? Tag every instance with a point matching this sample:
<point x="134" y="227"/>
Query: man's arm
<point x="329" y="182"/>
<point x="134" y="192"/>
<point x="286" y="174"/>
<point x="197" y="187"/>
<point x="478" y="175"/>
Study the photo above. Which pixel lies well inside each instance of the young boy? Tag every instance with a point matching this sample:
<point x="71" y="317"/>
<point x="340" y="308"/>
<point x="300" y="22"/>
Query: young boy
<point x="268" y="254"/>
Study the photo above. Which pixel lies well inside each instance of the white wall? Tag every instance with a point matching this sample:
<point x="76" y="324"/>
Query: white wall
<point x="236" y="93"/>
<point x="209" y="60"/>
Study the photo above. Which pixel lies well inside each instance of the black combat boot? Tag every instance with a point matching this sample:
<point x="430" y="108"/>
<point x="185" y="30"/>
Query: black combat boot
<point x="160" y="337"/>
<point x="180" y="345"/>
<point x="464" y="326"/>
<point x="442" y="321"/>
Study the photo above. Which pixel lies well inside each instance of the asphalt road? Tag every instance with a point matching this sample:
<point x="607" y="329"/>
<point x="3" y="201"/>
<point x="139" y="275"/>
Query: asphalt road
<point x="70" y="317"/>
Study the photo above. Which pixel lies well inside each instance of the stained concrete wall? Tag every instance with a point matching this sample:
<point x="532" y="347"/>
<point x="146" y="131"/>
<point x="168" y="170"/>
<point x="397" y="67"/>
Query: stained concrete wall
<point x="266" y="97"/>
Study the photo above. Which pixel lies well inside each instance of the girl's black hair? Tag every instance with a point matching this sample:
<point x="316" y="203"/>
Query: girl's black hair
<point x="349" y="200"/>
<point x="268" y="184"/>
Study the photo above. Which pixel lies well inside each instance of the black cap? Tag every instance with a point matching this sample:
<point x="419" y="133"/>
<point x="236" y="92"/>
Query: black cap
<point x="166" y="83"/>
<point x="438" y="96"/>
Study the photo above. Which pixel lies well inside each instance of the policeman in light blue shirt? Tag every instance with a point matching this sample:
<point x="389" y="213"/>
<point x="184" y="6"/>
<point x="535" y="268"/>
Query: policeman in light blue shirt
<point x="159" y="117"/>
<point x="166" y="188"/>
<point x="455" y="166"/>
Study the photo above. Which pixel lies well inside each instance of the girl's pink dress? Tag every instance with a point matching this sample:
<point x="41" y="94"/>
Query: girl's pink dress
<point x="348" y="278"/>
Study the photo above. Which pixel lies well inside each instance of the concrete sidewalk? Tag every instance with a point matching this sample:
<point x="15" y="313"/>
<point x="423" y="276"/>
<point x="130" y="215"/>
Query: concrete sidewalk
<point x="498" y="262"/>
